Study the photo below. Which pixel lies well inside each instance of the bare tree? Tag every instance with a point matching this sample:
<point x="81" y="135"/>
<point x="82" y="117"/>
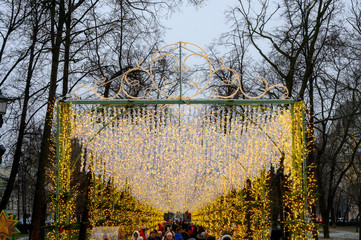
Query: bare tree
<point x="13" y="15"/>
<point x="308" y="51"/>
<point x="35" y="24"/>
<point x="58" y="14"/>
<point x="294" y="41"/>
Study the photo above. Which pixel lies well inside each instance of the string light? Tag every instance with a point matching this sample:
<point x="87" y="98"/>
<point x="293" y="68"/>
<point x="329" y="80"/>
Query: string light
<point x="161" y="151"/>
<point x="212" y="161"/>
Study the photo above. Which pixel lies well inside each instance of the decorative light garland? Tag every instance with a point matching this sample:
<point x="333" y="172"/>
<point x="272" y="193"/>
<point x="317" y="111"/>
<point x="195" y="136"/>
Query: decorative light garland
<point x="198" y="152"/>
<point x="213" y="161"/>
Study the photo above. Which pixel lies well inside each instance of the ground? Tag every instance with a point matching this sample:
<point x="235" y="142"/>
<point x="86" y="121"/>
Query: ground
<point x="344" y="233"/>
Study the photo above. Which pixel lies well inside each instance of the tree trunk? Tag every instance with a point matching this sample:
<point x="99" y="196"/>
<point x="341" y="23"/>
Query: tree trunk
<point x="333" y="217"/>
<point x="23" y="192"/>
<point x="325" y="221"/>
<point x="39" y="210"/>
<point x="280" y="190"/>
<point x="326" y="230"/>
<point x="315" y="230"/>
<point x="39" y="197"/>
<point x="359" y="222"/>
<point x="325" y="216"/>
<point x="310" y="141"/>
<point x="248" y="198"/>
<point x="67" y="53"/>
<point x="85" y="216"/>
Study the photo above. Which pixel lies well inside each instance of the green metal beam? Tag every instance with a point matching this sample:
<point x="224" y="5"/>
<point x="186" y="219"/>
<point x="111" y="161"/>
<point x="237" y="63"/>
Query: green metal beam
<point x="57" y="217"/>
<point x="180" y="71"/>
<point x="183" y="101"/>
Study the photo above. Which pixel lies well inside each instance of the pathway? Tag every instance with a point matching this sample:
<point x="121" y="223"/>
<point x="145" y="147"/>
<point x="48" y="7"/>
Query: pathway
<point x="337" y="233"/>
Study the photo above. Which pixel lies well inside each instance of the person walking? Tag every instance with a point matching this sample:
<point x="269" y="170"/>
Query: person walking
<point x="168" y="235"/>
<point x="152" y="236"/>
<point x="276" y="233"/>
<point x="135" y="235"/>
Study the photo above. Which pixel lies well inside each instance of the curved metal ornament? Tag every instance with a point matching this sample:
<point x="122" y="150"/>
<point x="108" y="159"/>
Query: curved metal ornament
<point x="198" y="88"/>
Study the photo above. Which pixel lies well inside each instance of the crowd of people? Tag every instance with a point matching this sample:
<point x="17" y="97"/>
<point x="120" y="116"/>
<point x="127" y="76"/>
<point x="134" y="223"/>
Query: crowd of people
<point x="176" y="231"/>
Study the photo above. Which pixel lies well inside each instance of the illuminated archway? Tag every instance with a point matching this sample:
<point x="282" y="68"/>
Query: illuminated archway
<point x="212" y="157"/>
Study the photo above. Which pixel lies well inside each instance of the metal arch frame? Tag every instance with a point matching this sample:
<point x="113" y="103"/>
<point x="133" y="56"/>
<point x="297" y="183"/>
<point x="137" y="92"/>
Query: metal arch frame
<point x="183" y="101"/>
<point x="180" y="67"/>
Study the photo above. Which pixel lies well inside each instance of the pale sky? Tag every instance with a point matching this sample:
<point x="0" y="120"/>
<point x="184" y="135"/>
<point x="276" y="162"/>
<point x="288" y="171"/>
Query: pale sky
<point x="199" y="26"/>
<point x="203" y="25"/>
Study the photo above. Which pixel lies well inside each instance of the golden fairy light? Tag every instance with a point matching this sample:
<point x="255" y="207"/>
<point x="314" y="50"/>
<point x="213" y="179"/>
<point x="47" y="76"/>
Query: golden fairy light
<point x="214" y="160"/>
<point x="185" y="156"/>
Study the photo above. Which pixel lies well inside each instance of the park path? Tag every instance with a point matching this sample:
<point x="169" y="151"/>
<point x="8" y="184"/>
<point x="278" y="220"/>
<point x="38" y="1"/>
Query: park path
<point x="335" y="235"/>
<point x="339" y="234"/>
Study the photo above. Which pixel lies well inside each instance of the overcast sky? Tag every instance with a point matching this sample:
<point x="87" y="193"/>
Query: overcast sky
<point x="199" y="26"/>
<point x="203" y="25"/>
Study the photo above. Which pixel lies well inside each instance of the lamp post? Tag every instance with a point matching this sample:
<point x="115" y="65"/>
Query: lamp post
<point x="3" y="105"/>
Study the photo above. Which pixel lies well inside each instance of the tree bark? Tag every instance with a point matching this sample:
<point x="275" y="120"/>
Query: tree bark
<point x="359" y="222"/>
<point x="23" y="192"/>
<point x="325" y="216"/>
<point x="67" y="52"/>
<point x="326" y="230"/>
<point x="39" y="210"/>
<point x="85" y="216"/>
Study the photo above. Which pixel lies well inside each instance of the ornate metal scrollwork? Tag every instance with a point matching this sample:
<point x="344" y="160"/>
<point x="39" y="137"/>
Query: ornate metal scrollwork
<point x="179" y="54"/>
